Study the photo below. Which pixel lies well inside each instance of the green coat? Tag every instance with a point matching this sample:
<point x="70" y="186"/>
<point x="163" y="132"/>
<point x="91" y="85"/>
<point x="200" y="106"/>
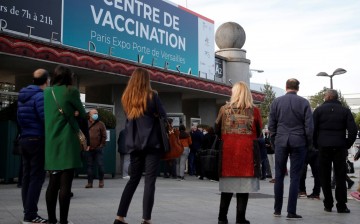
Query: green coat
<point x="62" y="146"/>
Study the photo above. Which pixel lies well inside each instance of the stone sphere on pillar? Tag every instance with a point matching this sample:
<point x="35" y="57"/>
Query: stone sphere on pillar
<point x="230" y="35"/>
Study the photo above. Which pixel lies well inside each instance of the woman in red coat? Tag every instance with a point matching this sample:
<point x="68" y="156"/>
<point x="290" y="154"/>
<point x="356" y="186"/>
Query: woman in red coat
<point x="240" y="124"/>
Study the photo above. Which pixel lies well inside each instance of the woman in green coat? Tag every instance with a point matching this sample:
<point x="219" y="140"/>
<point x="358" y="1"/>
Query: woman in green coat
<point x="62" y="146"/>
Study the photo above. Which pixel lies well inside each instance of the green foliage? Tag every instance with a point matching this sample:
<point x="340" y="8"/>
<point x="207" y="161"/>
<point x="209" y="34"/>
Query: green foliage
<point x="107" y="117"/>
<point x="357" y="119"/>
<point x="318" y="99"/>
<point x="265" y="105"/>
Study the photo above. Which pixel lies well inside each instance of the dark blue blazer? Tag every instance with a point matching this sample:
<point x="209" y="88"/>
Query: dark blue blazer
<point x="291" y="121"/>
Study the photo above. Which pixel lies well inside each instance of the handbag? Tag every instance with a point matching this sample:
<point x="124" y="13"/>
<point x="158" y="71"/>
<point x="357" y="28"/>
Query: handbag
<point x="80" y="134"/>
<point x="175" y="147"/>
<point x="210" y="160"/>
<point x="349" y="167"/>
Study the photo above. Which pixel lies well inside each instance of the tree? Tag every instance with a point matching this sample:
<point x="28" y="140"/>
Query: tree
<point x="318" y="99"/>
<point x="265" y="105"/>
<point x="357" y="119"/>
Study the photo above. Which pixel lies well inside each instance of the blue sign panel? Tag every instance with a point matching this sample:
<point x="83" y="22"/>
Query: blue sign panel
<point x="39" y="19"/>
<point x="151" y="32"/>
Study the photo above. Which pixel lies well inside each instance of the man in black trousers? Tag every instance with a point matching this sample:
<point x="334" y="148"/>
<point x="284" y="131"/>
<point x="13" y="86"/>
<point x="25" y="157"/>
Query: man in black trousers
<point x="334" y="133"/>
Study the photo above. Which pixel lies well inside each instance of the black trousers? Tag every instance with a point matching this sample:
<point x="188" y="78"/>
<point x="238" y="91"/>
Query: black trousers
<point x="141" y="161"/>
<point x="59" y="184"/>
<point x="312" y="159"/>
<point x="33" y="158"/>
<point x="241" y="204"/>
<point x="337" y="157"/>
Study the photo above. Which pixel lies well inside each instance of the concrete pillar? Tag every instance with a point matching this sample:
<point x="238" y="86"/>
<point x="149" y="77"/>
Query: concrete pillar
<point x="207" y="109"/>
<point x="172" y="102"/>
<point x="237" y="65"/>
<point x="99" y="94"/>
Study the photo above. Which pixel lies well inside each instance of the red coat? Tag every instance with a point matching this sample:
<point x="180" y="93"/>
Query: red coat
<point x="238" y="130"/>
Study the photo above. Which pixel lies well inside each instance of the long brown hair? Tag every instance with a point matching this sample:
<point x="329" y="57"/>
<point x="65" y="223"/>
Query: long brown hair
<point x="136" y="94"/>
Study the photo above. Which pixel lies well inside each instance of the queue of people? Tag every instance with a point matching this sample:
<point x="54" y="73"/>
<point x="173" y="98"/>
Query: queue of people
<point x="293" y="128"/>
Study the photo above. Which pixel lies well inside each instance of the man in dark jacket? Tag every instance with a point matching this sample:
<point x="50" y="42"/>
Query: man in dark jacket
<point x="31" y="120"/>
<point x="291" y="126"/>
<point x="331" y="122"/>
<point x="97" y="132"/>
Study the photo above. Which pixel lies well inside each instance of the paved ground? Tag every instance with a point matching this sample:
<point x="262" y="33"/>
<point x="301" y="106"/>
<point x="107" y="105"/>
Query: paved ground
<point x="176" y="202"/>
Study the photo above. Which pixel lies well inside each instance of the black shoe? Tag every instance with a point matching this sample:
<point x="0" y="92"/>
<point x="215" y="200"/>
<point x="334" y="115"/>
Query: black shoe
<point x="292" y="216"/>
<point x="350" y="184"/>
<point x="327" y="209"/>
<point x="344" y="210"/>
<point x="263" y="178"/>
<point x="277" y="214"/>
<point x="223" y="222"/>
<point x="119" y="222"/>
<point x="243" y="222"/>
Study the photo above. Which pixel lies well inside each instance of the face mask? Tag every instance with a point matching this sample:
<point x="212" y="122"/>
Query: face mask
<point x="95" y="117"/>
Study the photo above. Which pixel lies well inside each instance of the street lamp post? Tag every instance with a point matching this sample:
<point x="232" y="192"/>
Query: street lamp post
<point x="337" y="71"/>
<point x="255" y="70"/>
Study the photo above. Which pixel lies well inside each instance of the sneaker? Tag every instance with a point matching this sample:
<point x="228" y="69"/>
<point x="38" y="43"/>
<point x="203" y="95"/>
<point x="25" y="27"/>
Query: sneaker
<point x="126" y="177"/>
<point x="302" y="194"/>
<point x="313" y="196"/>
<point x="277" y="214"/>
<point x="38" y="219"/>
<point x="89" y="185"/>
<point x="292" y="216"/>
<point x="355" y="195"/>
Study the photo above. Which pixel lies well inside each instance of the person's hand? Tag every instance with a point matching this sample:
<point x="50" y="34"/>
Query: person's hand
<point x="76" y="113"/>
<point x="87" y="148"/>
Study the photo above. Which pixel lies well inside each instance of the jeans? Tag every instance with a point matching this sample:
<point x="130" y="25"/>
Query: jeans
<point x="297" y="157"/>
<point x="140" y="160"/>
<point x="95" y="155"/>
<point x="33" y="159"/>
<point x="312" y="158"/>
<point x="181" y="162"/>
<point x="192" y="163"/>
<point x="337" y="157"/>
<point x="125" y="162"/>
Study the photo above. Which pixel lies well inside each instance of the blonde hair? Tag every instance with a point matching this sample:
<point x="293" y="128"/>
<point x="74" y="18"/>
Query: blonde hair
<point x="136" y="94"/>
<point x="241" y="96"/>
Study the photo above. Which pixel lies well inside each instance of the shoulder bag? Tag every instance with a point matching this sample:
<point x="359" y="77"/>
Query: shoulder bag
<point x="170" y="138"/>
<point x="80" y="134"/>
<point x="210" y="160"/>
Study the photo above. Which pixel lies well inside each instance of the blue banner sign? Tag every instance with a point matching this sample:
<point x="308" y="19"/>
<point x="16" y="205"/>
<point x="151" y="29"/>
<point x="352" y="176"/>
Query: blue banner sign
<point x="157" y="33"/>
